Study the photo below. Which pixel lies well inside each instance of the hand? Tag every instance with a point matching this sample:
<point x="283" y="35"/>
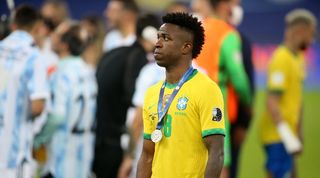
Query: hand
<point x="299" y="152"/>
<point x="125" y="167"/>
<point x="40" y="154"/>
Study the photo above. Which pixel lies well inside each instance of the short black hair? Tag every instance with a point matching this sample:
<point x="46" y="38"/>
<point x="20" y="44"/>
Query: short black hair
<point x="191" y="24"/>
<point x="74" y="41"/>
<point x="26" y="16"/>
<point x="144" y="21"/>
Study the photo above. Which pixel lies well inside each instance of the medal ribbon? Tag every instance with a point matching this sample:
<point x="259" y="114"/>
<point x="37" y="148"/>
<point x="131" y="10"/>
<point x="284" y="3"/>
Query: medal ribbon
<point x="162" y="113"/>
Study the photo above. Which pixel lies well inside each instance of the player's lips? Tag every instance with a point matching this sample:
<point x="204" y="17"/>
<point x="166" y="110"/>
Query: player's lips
<point x="156" y="53"/>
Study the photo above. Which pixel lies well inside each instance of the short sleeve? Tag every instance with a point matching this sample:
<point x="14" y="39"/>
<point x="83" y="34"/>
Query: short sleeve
<point x="277" y="74"/>
<point x="38" y="84"/>
<point x="211" y="108"/>
<point x="149" y="119"/>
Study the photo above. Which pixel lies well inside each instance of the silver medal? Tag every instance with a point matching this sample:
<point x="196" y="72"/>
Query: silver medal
<point x="156" y="136"/>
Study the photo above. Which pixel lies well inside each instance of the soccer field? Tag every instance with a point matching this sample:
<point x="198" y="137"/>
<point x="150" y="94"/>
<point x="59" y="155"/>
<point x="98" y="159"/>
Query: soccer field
<point x="252" y="158"/>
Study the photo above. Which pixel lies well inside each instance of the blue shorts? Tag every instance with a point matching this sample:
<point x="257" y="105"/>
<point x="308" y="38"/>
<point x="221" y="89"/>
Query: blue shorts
<point x="279" y="162"/>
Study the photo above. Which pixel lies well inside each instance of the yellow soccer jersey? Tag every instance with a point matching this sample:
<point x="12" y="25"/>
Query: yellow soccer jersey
<point x="182" y="153"/>
<point x="286" y="74"/>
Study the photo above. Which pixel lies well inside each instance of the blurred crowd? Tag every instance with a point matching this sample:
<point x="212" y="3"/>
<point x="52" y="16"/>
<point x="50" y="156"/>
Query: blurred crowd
<point x="71" y="91"/>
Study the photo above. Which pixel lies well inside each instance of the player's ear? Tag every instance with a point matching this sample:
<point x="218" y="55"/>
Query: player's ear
<point x="187" y="48"/>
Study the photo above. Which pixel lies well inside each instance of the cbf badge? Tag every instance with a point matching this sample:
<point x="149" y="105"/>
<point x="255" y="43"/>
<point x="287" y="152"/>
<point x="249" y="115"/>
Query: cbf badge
<point x="156" y="136"/>
<point x="216" y="114"/>
<point x="182" y="103"/>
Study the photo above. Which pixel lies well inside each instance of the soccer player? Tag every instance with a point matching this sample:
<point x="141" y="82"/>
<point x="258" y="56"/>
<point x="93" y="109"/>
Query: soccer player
<point x="23" y="89"/>
<point x="280" y="128"/>
<point x="69" y="123"/>
<point x="183" y="122"/>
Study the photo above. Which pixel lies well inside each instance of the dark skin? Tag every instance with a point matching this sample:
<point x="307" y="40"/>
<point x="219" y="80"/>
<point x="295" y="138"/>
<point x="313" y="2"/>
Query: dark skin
<point x="174" y="52"/>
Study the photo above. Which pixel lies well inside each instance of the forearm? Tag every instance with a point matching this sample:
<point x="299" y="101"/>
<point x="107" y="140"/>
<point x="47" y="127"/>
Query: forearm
<point x="214" y="164"/>
<point x="273" y="108"/>
<point x="137" y="125"/>
<point x="135" y="131"/>
<point x="53" y="122"/>
<point x="214" y="144"/>
<point x="144" y="169"/>
<point x="37" y="107"/>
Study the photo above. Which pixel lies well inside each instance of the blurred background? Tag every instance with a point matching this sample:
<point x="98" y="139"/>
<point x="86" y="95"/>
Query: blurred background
<point x="263" y="24"/>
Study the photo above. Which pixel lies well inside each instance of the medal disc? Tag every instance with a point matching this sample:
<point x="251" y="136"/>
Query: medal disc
<point x="156" y="136"/>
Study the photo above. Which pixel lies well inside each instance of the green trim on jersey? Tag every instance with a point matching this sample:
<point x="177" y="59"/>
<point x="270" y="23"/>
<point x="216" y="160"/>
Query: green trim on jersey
<point x="172" y="86"/>
<point x="147" y="136"/>
<point x="213" y="132"/>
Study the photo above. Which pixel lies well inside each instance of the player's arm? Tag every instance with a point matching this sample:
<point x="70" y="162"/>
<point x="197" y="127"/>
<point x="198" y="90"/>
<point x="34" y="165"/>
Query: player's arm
<point x="37" y="107"/>
<point x="60" y="87"/>
<point x="214" y="144"/>
<point x="277" y="84"/>
<point x="134" y="133"/>
<point x="273" y="102"/>
<point x="38" y="87"/>
<point x="144" y="169"/>
<point x="145" y="162"/>
<point x="211" y="109"/>
<point x="233" y="64"/>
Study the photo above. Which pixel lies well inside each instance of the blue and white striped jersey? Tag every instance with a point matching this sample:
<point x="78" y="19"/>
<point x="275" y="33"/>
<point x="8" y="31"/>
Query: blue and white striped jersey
<point x="22" y="79"/>
<point x="74" y="90"/>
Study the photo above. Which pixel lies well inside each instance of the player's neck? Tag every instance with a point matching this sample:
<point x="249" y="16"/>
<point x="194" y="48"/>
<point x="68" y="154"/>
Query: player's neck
<point x="64" y="54"/>
<point x="291" y="47"/>
<point x="175" y="73"/>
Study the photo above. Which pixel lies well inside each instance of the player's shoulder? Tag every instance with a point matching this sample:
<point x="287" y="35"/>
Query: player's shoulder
<point x="203" y="83"/>
<point x="154" y="89"/>
<point x="152" y="94"/>
<point x="280" y="59"/>
<point x="280" y="55"/>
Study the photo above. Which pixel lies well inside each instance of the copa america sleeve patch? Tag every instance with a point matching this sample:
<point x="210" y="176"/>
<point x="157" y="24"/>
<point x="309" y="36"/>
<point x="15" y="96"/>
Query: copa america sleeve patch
<point x="216" y="114"/>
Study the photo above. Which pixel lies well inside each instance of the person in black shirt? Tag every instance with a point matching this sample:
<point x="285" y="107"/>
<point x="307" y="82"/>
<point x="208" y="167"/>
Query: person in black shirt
<point x="116" y="76"/>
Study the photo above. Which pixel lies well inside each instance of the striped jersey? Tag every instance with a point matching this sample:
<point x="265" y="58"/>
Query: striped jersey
<point x="73" y="88"/>
<point x="22" y="79"/>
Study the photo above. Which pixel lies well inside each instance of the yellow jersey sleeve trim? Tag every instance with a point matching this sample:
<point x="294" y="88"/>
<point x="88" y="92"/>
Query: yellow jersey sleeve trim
<point x="213" y="132"/>
<point x="147" y="136"/>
